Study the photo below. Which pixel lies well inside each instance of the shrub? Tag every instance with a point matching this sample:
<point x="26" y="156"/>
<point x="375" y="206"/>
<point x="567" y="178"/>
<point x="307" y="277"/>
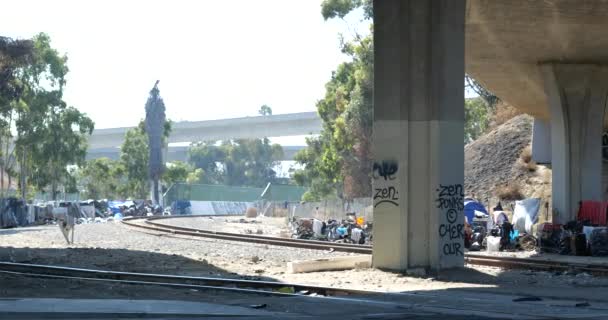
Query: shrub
<point x="510" y="191"/>
<point x="502" y="113"/>
<point x="526" y="155"/>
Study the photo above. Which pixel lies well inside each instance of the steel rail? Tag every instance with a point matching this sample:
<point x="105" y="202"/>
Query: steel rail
<point x="286" y="242"/>
<point x="241" y="285"/>
<point x="470" y="258"/>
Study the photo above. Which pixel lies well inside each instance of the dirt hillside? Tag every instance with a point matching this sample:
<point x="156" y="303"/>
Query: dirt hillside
<point x="495" y="169"/>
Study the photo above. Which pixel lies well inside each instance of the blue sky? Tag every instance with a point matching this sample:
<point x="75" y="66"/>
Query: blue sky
<point x="214" y="59"/>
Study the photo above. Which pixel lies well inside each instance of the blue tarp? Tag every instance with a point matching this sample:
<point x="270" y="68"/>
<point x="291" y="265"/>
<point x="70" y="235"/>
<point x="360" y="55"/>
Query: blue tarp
<point x="115" y="205"/>
<point x="470" y="206"/>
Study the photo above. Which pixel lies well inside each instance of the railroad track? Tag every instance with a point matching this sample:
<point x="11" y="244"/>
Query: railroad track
<point x="151" y="223"/>
<point x="201" y="283"/>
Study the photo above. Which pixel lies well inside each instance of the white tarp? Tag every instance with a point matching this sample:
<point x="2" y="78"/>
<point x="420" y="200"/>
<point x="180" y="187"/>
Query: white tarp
<point x="526" y="214"/>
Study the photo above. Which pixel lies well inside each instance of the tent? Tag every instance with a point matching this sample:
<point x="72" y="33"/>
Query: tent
<point x="471" y="206"/>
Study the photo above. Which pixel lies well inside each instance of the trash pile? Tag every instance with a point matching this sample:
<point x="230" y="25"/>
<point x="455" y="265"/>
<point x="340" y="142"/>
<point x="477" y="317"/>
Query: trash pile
<point x="350" y="230"/>
<point x="586" y="235"/>
<point x="15" y="213"/>
<point x="134" y="208"/>
<point x="495" y="232"/>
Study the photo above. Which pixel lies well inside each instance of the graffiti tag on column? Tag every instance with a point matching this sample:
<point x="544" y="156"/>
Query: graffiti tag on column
<point x="385" y="171"/>
<point x="451" y="199"/>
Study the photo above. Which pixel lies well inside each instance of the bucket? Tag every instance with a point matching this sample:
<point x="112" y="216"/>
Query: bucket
<point x="493" y="244"/>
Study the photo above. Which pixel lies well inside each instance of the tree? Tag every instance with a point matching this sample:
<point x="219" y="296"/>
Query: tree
<point x="175" y="172"/>
<point x="14" y="55"/>
<point x="476" y="118"/>
<point x="207" y="156"/>
<point x="50" y="134"/>
<point x="265" y="110"/>
<point x="63" y="142"/>
<point x="134" y="158"/>
<point x="250" y="162"/>
<point x="243" y="162"/>
<point x="102" y="178"/>
<point x="338" y="162"/>
<point x="155" y="120"/>
<point x="195" y="176"/>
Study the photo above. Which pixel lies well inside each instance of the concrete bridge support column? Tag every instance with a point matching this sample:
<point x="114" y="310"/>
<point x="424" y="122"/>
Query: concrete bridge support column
<point x="541" y="141"/>
<point x="576" y="94"/>
<point x="418" y="145"/>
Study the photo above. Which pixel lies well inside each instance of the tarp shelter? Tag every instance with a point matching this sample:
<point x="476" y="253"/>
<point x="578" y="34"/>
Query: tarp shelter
<point x="116" y="205"/>
<point x="525" y="214"/>
<point x="470" y="206"/>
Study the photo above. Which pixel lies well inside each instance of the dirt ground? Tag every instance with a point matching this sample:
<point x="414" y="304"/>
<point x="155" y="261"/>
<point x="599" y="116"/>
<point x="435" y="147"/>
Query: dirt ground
<point x="114" y="246"/>
<point x="268" y="226"/>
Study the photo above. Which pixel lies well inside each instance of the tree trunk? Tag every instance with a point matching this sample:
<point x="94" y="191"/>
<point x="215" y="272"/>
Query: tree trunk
<point x="22" y="175"/>
<point x="156" y="196"/>
<point x="2" y="180"/>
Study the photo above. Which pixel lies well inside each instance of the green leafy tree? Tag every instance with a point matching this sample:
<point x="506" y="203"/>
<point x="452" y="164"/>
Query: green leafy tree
<point x="476" y="118"/>
<point x="175" y="172"/>
<point x="135" y="159"/>
<point x="195" y="176"/>
<point x="207" y="156"/>
<point x="50" y="134"/>
<point x="338" y="162"/>
<point x="265" y="110"/>
<point x="250" y="162"/>
<point x="242" y="162"/>
<point x="14" y="56"/>
<point x="102" y="178"/>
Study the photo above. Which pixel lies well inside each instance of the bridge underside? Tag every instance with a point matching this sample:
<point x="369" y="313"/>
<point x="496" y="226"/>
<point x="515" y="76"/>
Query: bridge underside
<point x="507" y="40"/>
<point x="547" y="58"/>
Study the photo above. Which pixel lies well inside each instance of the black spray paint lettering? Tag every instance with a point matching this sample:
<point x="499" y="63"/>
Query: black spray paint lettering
<point x="450" y="191"/>
<point x="451" y="231"/>
<point x="386" y="195"/>
<point x="386" y="169"/>
<point x="451" y="199"/>
<point x="452" y="249"/>
<point x="450" y="203"/>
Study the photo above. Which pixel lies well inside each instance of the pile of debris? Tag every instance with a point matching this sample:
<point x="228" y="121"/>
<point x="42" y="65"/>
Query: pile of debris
<point x="586" y="235"/>
<point x="133" y="208"/>
<point x="350" y="230"/>
<point x="495" y="232"/>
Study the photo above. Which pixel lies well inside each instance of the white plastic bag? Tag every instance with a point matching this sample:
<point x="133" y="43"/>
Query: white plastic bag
<point x="493" y="244"/>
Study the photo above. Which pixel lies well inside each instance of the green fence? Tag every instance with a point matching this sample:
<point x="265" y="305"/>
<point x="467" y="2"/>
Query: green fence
<point x="209" y="192"/>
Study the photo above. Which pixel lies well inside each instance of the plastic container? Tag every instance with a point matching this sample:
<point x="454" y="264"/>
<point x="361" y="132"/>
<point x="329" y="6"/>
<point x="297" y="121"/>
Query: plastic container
<point x="493" y="244"/>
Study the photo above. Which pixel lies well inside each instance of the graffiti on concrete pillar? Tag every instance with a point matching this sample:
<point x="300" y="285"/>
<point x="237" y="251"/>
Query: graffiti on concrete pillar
<point x="386" y="170"/>
<point x="450" y="202"/>
<point x="385" y="191"/>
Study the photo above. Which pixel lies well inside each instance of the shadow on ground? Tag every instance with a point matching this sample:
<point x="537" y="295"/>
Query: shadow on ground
<point x="119" y="260"/>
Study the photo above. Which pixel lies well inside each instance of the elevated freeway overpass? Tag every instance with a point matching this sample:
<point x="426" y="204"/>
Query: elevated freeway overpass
<point x="106" y="142"/>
